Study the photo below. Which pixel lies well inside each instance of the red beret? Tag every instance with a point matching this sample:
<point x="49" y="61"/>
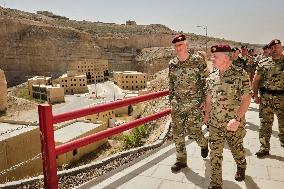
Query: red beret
<point x="220" y="48"/>
<point x="274" y="42"/>
<point x="178" y="38"/>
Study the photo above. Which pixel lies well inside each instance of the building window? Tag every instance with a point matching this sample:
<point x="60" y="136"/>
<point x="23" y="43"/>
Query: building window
<point x="74" y="79"/>
<point x="71" y="79"/>
<point x="66" y="81"/>
<point x="126" y="77"/>
<point x="71" y="84"/>
<point x="83" y="84"/>
<point x="144" y="76"/>
<point x="75" y="152"/>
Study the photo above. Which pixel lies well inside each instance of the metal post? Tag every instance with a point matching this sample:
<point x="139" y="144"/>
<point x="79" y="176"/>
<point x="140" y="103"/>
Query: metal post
<point x="48" y="146"/>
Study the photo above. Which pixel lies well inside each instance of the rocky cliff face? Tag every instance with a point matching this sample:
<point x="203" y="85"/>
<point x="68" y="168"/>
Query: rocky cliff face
<point x="30" y="48"/>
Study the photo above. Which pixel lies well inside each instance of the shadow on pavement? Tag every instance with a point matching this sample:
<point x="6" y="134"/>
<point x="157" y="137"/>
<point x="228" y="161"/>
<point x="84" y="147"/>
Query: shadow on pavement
<point x="275" y="157"/>
<point x="255" y="127"/>
<point x="253" y="109"/>
<point x="250" y="184"/>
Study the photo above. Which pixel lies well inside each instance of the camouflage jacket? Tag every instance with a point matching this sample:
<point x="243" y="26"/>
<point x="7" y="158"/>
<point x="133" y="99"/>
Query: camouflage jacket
<point x="272" y="73"/>
<point x="226" y="91"/>
<point x="241" y="62"/>
<point x="187" y="79"/>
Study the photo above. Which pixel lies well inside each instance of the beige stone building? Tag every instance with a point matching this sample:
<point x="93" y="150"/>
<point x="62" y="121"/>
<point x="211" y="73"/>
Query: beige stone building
<point x="74" y="131"/>
<point x="95" y="70"/>
<point x="131" y="80"/>
<point x="38" y="80"/>
<point x="52" y="94"/>
<point x="104" y="117"/>
<point x="3" y="92"/>
<point x="19" y="144"/>
<point x="73" y="83"/>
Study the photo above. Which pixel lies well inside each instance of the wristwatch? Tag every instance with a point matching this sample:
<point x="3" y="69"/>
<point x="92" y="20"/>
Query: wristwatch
<point x="237" y="118"/>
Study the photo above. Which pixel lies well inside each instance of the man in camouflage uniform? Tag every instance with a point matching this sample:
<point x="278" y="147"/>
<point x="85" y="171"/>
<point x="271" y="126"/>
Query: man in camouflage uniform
<point x="251" y="64"/>
<point x="237" y="60"/>
<point x="265" y="55"/>
<point x="269" y="82"/>
<point x="227" y="101"/>
<point x="187" y="77"/>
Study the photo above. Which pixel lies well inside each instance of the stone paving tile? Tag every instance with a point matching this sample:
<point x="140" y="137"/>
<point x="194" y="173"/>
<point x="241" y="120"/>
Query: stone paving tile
<point x="267" y="184"/>
<point x="178" y="185"/>
<point x="142" y="182"/>
<point x="257" y="171"/>
<point x="164" y="172"/>
<point x="276" y="174"/>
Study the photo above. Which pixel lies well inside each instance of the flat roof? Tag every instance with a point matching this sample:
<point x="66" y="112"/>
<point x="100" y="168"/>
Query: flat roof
<point x="73" y="131"/>
<point x="77" y="76"/>
<point x="13" y="130"/>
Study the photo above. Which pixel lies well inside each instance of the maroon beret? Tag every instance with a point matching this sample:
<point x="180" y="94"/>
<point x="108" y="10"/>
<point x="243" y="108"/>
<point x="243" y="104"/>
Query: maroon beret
<point x="220" y="48"/>
<point x="178" y="38"/>
<point x="274" y="42"/>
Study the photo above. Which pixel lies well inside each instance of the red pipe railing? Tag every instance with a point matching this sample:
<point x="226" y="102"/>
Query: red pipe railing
<point x="47" y="119"/>
<point x="104" y="107"/>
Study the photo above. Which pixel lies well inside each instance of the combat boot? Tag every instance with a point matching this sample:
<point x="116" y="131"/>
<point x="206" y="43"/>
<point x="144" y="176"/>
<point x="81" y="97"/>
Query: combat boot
<point x="204" y="152"/>
<point x="261" y="154"/>
<point x="178" y="166"/>
<point x="240" y="174"/>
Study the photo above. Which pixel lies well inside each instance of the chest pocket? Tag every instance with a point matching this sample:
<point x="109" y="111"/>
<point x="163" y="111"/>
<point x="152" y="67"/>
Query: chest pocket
<point x="187" y="79"/>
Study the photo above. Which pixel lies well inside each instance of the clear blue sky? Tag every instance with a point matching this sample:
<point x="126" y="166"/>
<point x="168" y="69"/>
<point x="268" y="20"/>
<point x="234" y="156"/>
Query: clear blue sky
<point x="253" y="21"/>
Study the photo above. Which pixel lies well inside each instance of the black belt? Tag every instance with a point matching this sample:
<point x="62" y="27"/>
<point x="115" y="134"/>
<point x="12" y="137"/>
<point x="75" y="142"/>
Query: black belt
<point x="263" y="90"/>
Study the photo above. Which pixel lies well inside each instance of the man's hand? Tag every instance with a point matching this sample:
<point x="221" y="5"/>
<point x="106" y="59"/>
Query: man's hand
<point x="233" y="125"/>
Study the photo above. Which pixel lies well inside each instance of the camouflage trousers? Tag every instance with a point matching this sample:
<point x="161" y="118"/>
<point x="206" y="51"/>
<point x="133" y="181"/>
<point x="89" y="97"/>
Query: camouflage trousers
<point x="190" y="118"/>
<point x="269" y="106"/>
<point x="217" y="137"/>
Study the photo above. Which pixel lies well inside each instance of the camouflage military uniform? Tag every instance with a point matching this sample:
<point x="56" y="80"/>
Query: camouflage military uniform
<point x="272" y="100"/>
<point x="226" y="91"/>
<point x="186" y="84"/>
<point x="240" y="62"/>
<point x="251" y="67"/>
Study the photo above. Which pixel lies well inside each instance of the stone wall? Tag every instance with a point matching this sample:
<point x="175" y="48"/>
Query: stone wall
<point x="3" y="92"/>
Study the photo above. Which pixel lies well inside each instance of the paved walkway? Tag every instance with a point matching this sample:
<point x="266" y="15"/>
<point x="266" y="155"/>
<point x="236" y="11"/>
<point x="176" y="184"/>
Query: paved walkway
<point x="153" y="171"/>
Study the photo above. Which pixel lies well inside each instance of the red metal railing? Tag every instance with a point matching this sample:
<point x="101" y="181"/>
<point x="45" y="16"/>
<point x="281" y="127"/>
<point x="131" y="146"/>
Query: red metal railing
<point x="47" y="119"/>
